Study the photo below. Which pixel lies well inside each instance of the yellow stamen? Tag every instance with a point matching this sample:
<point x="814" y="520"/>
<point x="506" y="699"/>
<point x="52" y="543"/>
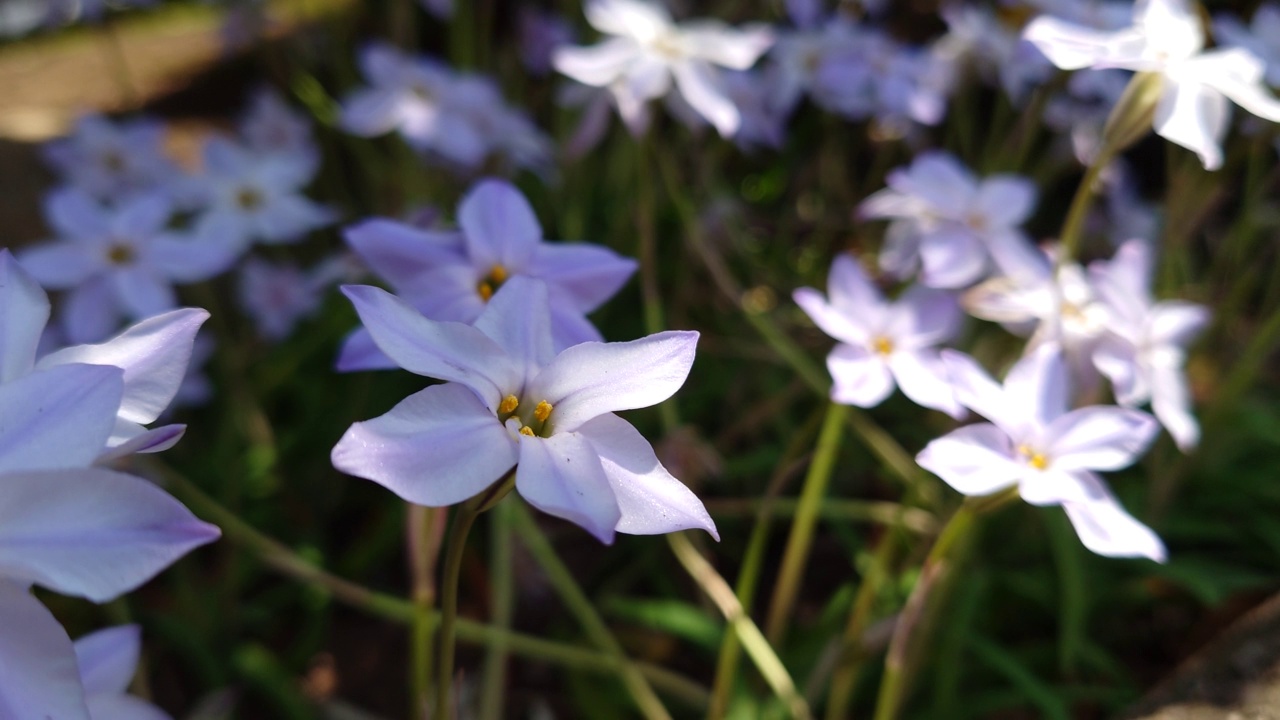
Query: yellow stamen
<point x="1034" y="459"/>
<point x="498" y="274"/>
<point x="120" y="254"/>
<point x="248" y="198"/>
<point x="526" y="430"/>
<point x="485" y="290"/>
<point x="883" y="345"/>
<point x="543" y="411"/>
<point x="509" y="405"/>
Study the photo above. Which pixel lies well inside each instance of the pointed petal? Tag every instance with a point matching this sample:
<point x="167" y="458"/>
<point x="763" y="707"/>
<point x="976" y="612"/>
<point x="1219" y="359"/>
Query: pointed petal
<point x="591" y="379"/>
<point x="436" y="447"/>
<point x="40" y="675"/>
<point x="859" y="376"/>
<point x="57" y="418"/>
<point x="108" y="658"/>
<point x="154" y="355"/>
<point x="59" y="264"/>
<point x="975" y="389"/>
<point x="518" y="319"/>
<point x="922" y="377"/>
<point x="208" y="252"/>
<point x="24" y="310"/>
<point x="716" y="42"/>
<point x="852" y="293"/>
<point x="400" y="253"/>
<point x="92" y="533"/>
<point x="652" y="502"/>
<point x="562" y="476"/>
<point x="123" y="707"/>
<point x="1038" y="383"/>
<point x="598" y="65"/>
<point x="1072" y="47"/>
<point x="1171" y="402"/>
<point x="500" y="226"/>
<point x="1105" y="528"/>
<point x="75" y="215"/>
<point x="1238" y="74"/>
<point x="289" y="218"/>
<point x="975" y="460"/>
<point x="1175" y="323"/>
<point x="360" y="352"/>
<point x="703" y="88"/>
<point x="587" y="274"/>
<point x="1099" y="438"/>
<point x="129" y="438"/>
<point x="1194" y="116"/>
<point x="839" y="325"/>
<point x="447" y="351"/>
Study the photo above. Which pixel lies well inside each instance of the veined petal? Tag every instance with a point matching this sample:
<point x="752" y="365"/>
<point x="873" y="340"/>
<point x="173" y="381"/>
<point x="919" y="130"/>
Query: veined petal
<point x="154" y="355"/>
<point x="587" y="274"/>
<point x="1038" y="383"/>
<point x="922" y="377"/>
<point x="436" y="447"/>
<point x="92" y="533"/>
<point x="518" y="319"/>
<point x="831" y="321"/>
<point x="701" y="86"/>
<point x="562" y="475"/>
<point x="975" y="460"/>
<point x="24" y="310"/>
<point x="1171" y="402"/>
<point x="1099" y="438"/>
<point x="650" y="499"/>
<point x="1193" y="115"/>
<point x="1105" y="528"/>
<point x="591" y="379"/>
<point x="58" y="418"/>
<point x="447" y="351"/>
<point x="500" y="226"/>
<point x="108" y="658"/>
<point x="859" y="376"/>
<point x="40" y="678"/>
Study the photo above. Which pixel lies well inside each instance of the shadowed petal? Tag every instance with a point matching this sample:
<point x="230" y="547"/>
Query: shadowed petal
<point x="1117" y="359"/>
<point x="975" y="460"/>
<point x="91" y="312"/>
<point x="701" y="86"/>
<point x="399" y="252"/>
<point x="360" y="352"/>
<point x="1038" y="384"/>
<point x="951" y="257"/>
<point x="923" y="317"/>
<point x="1099" y="438"/>
<point x="40" y="678"/>
<point x="1105" y="528"/>
<point x="1072" y="47"/>
<point x="562" y="476"/>
<point x="1171" y="402"/>
<point x="141" y="292"/>
<point x="1194" y="116"/>
<point x="436" y="447"/>
<point x="518" y="318"/>
<point x="975" y="389"/>
<point x="58" y="418"/>
<point x="129" y="438"/>
<point x="108" y="659"/>
<point x="24" y="310"/>
<point x="922" y="377"/>
<point x="499" y="225"/>
<point x="586" y="274"/>
<point x="92" y="533"/>
<point x="650" y="499"/>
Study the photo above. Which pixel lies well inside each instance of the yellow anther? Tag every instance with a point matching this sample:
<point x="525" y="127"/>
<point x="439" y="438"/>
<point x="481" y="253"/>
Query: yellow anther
<point x="883" y="345"/>
<point x="248" y="198"/>
<point x="526" y="430"/>
<point x="1038" y="461"/>
<point x="120" y="254"/>
<point x="543" y="411"/>
<point x="508" y="405"/>
<point x="498" y="274"/>
<point x="485" y="290"/>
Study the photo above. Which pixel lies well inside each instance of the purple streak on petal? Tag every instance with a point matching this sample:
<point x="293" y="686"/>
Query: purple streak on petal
<point x="58" y="418"/>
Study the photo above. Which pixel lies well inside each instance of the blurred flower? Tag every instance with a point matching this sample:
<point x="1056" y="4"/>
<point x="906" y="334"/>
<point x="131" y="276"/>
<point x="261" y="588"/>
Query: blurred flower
<point x="196" y="388"/>
<point x="1049" y="453"/>
<point x="270" y="126"/>
<point x="948" y="224"/>
<point x="250" y="196"/>
<point x="111" y="160"/>
<point x="879" y="78"/>
<point x="647" y="51"/>
<point x="798" y="56"/>
<point x="442" y="9"/>
<point x="510" y="400"/>
<point x="541" y="32"/>
<point x="977" y="38"/>
<point x="883" y="343"/>
<point x="278" y="295"/>
<point x="108" y="660"/>
<point x="453" y="275"/>
<point x="1144" y="350"/>
<point x="1167" y="40"/>
<point x="1261" y="37"/>
<point x="118" y="263"/>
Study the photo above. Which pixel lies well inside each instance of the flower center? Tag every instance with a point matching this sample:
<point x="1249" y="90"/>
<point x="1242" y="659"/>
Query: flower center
<point x="977" y="221"/>
<point x="882" y="345"/>
<point x="421" y="92"/>
<point x="120" y="253"/>
<point x="1035" y="459"/>
<point x="490" y="283"/>
<point x="534" y="425"/>
<point x="248" y="198"/>
<point x="113" y="161"/>
<point x="668" y="46"/>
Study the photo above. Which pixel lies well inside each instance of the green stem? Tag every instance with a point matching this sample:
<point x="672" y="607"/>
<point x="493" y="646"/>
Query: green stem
<point x="1069" y="239"/>
<point x="502" y="582"/>
<point x="787" y="588"/>
<point x="845" y="678"/>
<point x="464" y="518"/>
<point x="582" y="608"/>
<point x="424" y="530"/>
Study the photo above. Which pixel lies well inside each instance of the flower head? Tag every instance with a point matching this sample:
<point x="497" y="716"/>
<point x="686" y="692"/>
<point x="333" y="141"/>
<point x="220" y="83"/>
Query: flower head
<point x="509" y="401"/>
<point x="108" y="660"/>
<point x="112" y="160"/>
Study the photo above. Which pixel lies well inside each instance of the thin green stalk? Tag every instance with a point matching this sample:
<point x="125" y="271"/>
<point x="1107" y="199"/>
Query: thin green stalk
<point x="787" y="587"/>
<point x="464" y="517"/>
<point x="845" y="677"/>
<point x="647" y="255"/>
<point x="872" y="511"/>
<point x="582" y="608"/>
<point x="1069" y="238"/>
<point x="424" y="527"/>
<point x="502" y="585"/>
<point x="753" y="641"/>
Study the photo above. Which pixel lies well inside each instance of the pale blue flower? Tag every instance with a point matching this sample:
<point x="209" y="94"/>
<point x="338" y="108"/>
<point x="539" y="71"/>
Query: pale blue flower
<point x="108" y="660"/>
<point x="111" y="160"/>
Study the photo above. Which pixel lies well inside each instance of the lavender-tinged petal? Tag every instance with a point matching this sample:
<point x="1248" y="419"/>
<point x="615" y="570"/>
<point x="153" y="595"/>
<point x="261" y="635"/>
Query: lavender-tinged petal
<point x="940" y="180"/>
<point x="586" y="274"/>
<point x="736" y="49"/>
<point x="447" y="292"/>
<point x="400" y="253"/>
<point x="637" y="18"/>
<point x="900" y="255"/>
<point x="951" y="257"/>
<point x="289" y="218"/>
<point x="702" y="87"/>
<point x="91" y="312"/>
<point x="141" y="292"/>
<point x="1238" y="74"/>
<point x="1016" y="256"/>
<point x="211" y="250"/>
<point x="1194" y="116"/>
<point x="852" y="292"/>
<point x="436" y="447"/>
<point x="569" y="326"/>
<point x="518" y="319"/>
<point x="1171" y="403"/>
<point x="1175" y="323"/>
<point x="562" y="475"/>
<point x="598" y="65"/>
<point x="24" y="310"/>
<point x="500" y="226"/>
<point x="1005" y="200"/>
<point x="1099" y="438"/>
<point x="975" y="460"/>
<point x="843" y="326"/>
<point x="370" y="112"/>
<point x="444" y="350"/>
<point x="58" y="418"/>
<point x="650" y="499"/>
<point x="923" y="317"/>
<point x="923" y="378"/>
<point x="360" y="352"/>
<point x="1117" y="359"/>
<point x="40" y="675"/>
<point x="591" y="379"/>
<point x="92" y="533"/>
<point x="975" y="389"/>
<point x="108" y="659"/>
<point x="860" y="377"/>
<point x="60" y="264"/>
<point x="142" y="216"/>
<point x="154" y="355"/>
<point x="128" y="439"/>
<point x="1106" y="529"/>
<point x="123" y="707"/>
<point x="1038" y="384"/>
<point x="1072" y="47"/>
<point x="75" y="215"/>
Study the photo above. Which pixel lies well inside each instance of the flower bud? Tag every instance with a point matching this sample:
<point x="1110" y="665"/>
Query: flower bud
<point x="1131" y="118"/>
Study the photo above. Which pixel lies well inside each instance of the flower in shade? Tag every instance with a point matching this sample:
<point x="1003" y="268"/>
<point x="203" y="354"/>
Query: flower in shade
<point x="1048" y="452"/>
<point x="153" y="354"/>
<point x="108" y="660"/>
<point x="270" y="126"/>
<point x="453" y="275"/>
<point x="647" y="52"/>
<point x="541" y="32"/>
<point x="948" y="224"/>
<point x="509" y="401"/>
<point x="1261" y="37"/>
<point x="119" y="263"/>
<point x="884" y="343"/>
<point x="111" y="160"/>
<point x="1167" y="40"/>
<point x="878" y="77"/>
<point x="1144" y="349"/>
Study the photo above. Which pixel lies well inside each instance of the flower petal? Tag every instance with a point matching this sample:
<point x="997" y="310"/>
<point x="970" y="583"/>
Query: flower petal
<point x="587" y="274"/>
<point x="75" y="215"/>
<point x="360" y="352"/>
<point x="591" y="379"/>
<point x="1099" y="438"/>
<point x="400" y="253"/>
<point x="141" y="292"/>
<point x="436" y="447"/>
<point x="859" y="376"/>
<point x="562" y="475"/>
<point x="1237" y="73"/>
<point x="58" y="418"/>
<point x="129" y="438"/>
<point x="123" y="707"/>
<point x="598" y="65"/>
<point x="1193" y="115"/>
<point x="24" y="310"/>
<point x="500" y="226"/>
<point x="1171" y="402"/>
<point x="92" y="533"/>
<point x="518" y="319"/>
<point x="703" y="88"/>
<point x="852" y="292"/>
<point x="91" y="312"/>
<point x="40" y="675"/>
<point x="975" y="389"/>
<point x="922" y="377"/>
<point x="1117" y="359"/>
<point x="1072" y="47"/>
<point x="108" y="658"/>
<point x="650" y="499"/>
<point x="923" y="317"/>
<point x="841" y="326"/>
<point x="1105" y="528"/>
<point x="1038" y="384"/>
<point x="951" y="257"/>
<point x="975" y="460"/>
<point x="1005" y="200"/>
<point x="59" y="264"/>
<point x="142" y="216"/>
<point x="444" y="350"/>
<point x="1176" y="323"/>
